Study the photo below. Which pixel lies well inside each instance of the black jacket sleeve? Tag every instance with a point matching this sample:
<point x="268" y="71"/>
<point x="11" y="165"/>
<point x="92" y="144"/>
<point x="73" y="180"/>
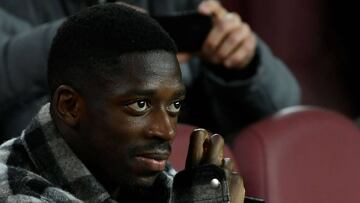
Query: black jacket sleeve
<point x="23" y="59"/>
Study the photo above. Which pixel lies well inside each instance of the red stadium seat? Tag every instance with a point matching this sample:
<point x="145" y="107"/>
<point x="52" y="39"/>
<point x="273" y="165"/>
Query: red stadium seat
<point x="181" y="144"/>
<point x="301" y="154"/>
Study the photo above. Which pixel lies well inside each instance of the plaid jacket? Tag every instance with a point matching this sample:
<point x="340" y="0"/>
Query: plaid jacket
<point x="39" y="166"/>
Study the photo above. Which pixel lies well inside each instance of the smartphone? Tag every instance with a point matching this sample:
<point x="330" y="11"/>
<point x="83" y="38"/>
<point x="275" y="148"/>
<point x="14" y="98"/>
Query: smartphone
<point x="188" y="29"/>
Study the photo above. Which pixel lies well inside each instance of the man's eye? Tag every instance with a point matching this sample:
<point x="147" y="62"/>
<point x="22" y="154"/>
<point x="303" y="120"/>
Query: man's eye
<point x="139" y="106"/>
<point x="174" y="107"/>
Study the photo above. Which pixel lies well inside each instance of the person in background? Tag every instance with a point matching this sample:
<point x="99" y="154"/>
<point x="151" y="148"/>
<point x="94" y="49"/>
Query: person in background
<point x="234" y="80"/>
<point x="115" y="96"/>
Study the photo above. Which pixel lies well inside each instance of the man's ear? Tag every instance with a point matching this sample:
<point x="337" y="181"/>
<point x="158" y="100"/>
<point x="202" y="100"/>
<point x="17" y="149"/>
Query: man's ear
<point x="67" y="104"/>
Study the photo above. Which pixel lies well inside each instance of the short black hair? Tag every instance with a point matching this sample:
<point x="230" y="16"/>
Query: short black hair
<point x="90" y="42"/>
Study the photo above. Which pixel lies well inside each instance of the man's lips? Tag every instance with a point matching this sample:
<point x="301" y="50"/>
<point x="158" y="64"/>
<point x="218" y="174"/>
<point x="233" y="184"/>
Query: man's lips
<point x="150" y="162"/>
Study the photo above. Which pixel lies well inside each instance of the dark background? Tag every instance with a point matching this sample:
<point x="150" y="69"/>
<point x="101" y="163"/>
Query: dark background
<point x="318" y="40"/>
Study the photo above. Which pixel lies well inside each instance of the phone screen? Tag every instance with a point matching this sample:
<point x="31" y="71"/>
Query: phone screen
<point x="188" y="29"/>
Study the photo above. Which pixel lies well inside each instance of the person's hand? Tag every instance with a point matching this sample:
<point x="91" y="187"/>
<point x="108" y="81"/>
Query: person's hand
<point x="183" y="57"/>
<point x="209" y="149"/>
<point x="231" y="41"/>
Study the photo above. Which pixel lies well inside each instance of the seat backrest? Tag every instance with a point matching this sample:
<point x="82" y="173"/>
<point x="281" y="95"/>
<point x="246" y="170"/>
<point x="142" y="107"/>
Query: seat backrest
<point x="181" y="144"/>
<point x="301" y="154"/>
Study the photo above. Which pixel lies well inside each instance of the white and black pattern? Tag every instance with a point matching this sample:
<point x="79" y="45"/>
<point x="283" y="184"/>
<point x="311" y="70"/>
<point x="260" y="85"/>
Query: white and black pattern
<point x="40" y="167"/>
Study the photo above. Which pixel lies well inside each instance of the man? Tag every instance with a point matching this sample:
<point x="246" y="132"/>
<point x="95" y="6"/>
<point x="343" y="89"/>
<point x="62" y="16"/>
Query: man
<point x="116" y="92"/>
<point x="234" y="80"/>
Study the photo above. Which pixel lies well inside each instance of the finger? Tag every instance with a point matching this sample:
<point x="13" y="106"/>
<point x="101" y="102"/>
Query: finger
<point x="233" y="41"/>
<point x="237" y="189"/>
<point x="228" y="164"/>
<point x="215" y="154"/>
<point x="218" y="33"/>
<point x="195" y="152"/>
<point x="241" y="57"/>
<point x="212" y="7"/>
<point x="183" y="57"/>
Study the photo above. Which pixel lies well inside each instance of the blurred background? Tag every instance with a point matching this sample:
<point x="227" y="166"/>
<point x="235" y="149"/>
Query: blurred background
<point x="318" y="40"/>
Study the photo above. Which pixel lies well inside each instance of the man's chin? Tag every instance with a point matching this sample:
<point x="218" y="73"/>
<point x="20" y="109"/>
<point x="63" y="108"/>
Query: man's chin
<point x="144" y="181"/>
<point x="139" y="189"/>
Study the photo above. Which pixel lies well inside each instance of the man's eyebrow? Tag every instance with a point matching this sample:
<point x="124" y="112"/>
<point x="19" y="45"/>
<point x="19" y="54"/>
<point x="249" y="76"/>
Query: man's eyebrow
<point x="141" y="92"/>
<point x="180" y="93"/>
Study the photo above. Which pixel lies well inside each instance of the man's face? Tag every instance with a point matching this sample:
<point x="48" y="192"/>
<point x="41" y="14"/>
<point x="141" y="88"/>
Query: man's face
<point x="128" y="127"/>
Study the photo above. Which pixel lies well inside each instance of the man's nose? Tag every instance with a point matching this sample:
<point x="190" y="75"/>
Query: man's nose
<point x="162" y="125"/>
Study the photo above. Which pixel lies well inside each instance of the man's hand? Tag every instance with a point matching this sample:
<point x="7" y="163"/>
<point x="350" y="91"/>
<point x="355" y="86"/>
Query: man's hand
<point x="209" y="149"/>
<point x="231" y="41"/>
